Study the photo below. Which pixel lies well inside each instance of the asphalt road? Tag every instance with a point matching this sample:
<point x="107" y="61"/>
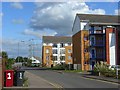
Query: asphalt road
<point x="72" y="80"/>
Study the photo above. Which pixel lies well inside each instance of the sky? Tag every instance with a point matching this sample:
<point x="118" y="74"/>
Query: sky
<point x="29" y="21"/>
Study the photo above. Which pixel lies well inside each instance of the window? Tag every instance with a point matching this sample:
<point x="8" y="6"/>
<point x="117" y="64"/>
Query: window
<point x="93" y="53"/>
<point x="92" y="40"/>
<point x="54" y="58"/>
<point x="62" y="58"/>
<point x="85" y="38"/>
<point x="69" y="57"/>
<point x="69" y="51"/>
<point x="85" y="50"/>
<point x="62" y="51"/>
<point x="47" y="57"/>
<point x="47" y="50"/>
<point x="69" y="44"/>
<point x="54" y="51"/>
<point x="62" y="45"/>
<point x="55" y="45"/>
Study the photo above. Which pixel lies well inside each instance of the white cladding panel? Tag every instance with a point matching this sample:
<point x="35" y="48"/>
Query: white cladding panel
<point x="112" y="52"/>
<point x="84" y="26"/>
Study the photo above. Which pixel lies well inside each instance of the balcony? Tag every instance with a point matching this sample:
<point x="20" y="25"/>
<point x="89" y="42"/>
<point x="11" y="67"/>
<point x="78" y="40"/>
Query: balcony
<point x="96" y="32"/>
<point x="97" y="44"/>
<point x="98" y="56"/>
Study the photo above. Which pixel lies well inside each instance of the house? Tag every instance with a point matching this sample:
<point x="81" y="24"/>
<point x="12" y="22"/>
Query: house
<point x="95" y="39"/>
<point x="56" y="50"/>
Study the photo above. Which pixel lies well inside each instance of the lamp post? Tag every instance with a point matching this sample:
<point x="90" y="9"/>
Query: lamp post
<point x="18" y="51"/>
<point x="23" y="58"/>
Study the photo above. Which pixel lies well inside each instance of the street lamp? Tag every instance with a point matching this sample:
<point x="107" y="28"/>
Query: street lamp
<point x="19" y="49"/>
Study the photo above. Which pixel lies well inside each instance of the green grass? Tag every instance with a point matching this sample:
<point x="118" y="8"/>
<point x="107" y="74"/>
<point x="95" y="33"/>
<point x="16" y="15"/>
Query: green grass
<point x="25" y="82"/>
<point x="73" y="71"/>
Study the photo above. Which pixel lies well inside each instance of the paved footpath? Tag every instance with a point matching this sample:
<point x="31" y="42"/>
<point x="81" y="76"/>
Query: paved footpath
<point x="34" y="82"/>
<point x="38" y="82"/>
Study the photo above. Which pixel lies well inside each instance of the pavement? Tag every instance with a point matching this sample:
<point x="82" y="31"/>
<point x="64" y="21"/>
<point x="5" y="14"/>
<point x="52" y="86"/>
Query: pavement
<point x="34" y="82"/>
<point x="108" y="79"/>
<point x="38" y="82"/>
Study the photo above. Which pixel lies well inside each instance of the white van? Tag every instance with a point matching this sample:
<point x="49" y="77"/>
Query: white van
<point x="35" y="62"/>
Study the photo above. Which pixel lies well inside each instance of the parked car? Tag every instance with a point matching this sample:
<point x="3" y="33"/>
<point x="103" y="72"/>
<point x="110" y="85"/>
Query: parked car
<point x="115" y="67"/>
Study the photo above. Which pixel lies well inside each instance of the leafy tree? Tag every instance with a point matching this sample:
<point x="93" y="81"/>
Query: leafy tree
<point x="29" y="62"/>
<point x="7" y="61"/>
<point x="4" y="54"/>
<point x="10" y="61"/>
<point x="19" y="59"/>
<point x="25" y="59"/>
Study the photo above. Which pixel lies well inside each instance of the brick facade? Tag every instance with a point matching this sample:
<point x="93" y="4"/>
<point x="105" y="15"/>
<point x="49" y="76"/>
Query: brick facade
<point x="80" y="49"/>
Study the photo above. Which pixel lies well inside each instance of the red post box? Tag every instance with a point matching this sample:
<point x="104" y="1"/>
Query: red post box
<point x="9" y="75"/>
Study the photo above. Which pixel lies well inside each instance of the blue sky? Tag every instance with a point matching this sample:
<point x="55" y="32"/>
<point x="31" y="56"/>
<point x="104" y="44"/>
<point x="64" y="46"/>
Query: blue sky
<point x="12" y="29"/>
<point x="27" y="20"/>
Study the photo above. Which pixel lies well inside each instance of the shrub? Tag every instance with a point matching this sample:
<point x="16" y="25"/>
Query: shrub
<point x="104" y="69"/>
<point x="59" y="67"/>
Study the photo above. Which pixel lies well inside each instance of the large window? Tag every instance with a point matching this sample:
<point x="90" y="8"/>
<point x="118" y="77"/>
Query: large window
<point x="62" y="51"/>
<point x="62" y="44"/>
<point x="47" y="57"/>
<point x="54" y="51"/>
<point x="93" y="53"/>
<point x="54" y="58"/>
<point x="69" y="44"/>
<point x="62" y="58"/>
<point x="55" y="45"/>
<point x="92" y="40"/>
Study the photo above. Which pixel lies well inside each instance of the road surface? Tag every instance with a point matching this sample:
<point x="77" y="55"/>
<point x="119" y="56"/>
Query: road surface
<point x="71" y="80"/>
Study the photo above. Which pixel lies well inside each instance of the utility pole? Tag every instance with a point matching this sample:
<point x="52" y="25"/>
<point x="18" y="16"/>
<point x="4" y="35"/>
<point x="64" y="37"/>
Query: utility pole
<point x="18" y="51"/>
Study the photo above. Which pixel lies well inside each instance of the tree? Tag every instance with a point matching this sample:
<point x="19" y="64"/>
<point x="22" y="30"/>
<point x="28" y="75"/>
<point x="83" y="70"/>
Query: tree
<point x="7" y="61"/>
<point x="4" y="54"/>
<point x="4" y="58"/>
<point x="29" y="62"/>
<point x="10" y="62"/>
<point x="25" y="59"/>
<point x="19" y="59"/>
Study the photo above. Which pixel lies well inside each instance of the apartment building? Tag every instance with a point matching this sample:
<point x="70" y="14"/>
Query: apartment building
<point x="102" y="40"/>
<point x="56" y="50"/>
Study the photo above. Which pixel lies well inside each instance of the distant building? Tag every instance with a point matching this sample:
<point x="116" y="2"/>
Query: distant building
<point x="56" y="50"/>
<point x="95" y="39"/>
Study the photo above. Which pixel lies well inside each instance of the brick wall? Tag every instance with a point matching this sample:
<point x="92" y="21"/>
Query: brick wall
<point x="68" y="54"/>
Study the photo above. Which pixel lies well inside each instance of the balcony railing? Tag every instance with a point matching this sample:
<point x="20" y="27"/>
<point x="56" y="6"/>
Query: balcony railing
<point x="98" y="56"/>
<point x="96" y="32"/>
<point x="98" y="43"/>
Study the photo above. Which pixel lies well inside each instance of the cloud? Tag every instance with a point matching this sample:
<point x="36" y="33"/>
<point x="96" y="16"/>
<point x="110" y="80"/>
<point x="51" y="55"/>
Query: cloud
<point x="17" y="5"/>
<point x="59" y="17"/>
<point x="117" y="12"/>
<point x="11" y="47"/>
<point x="39" y="34"/>
<point x="18" y="21"/>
